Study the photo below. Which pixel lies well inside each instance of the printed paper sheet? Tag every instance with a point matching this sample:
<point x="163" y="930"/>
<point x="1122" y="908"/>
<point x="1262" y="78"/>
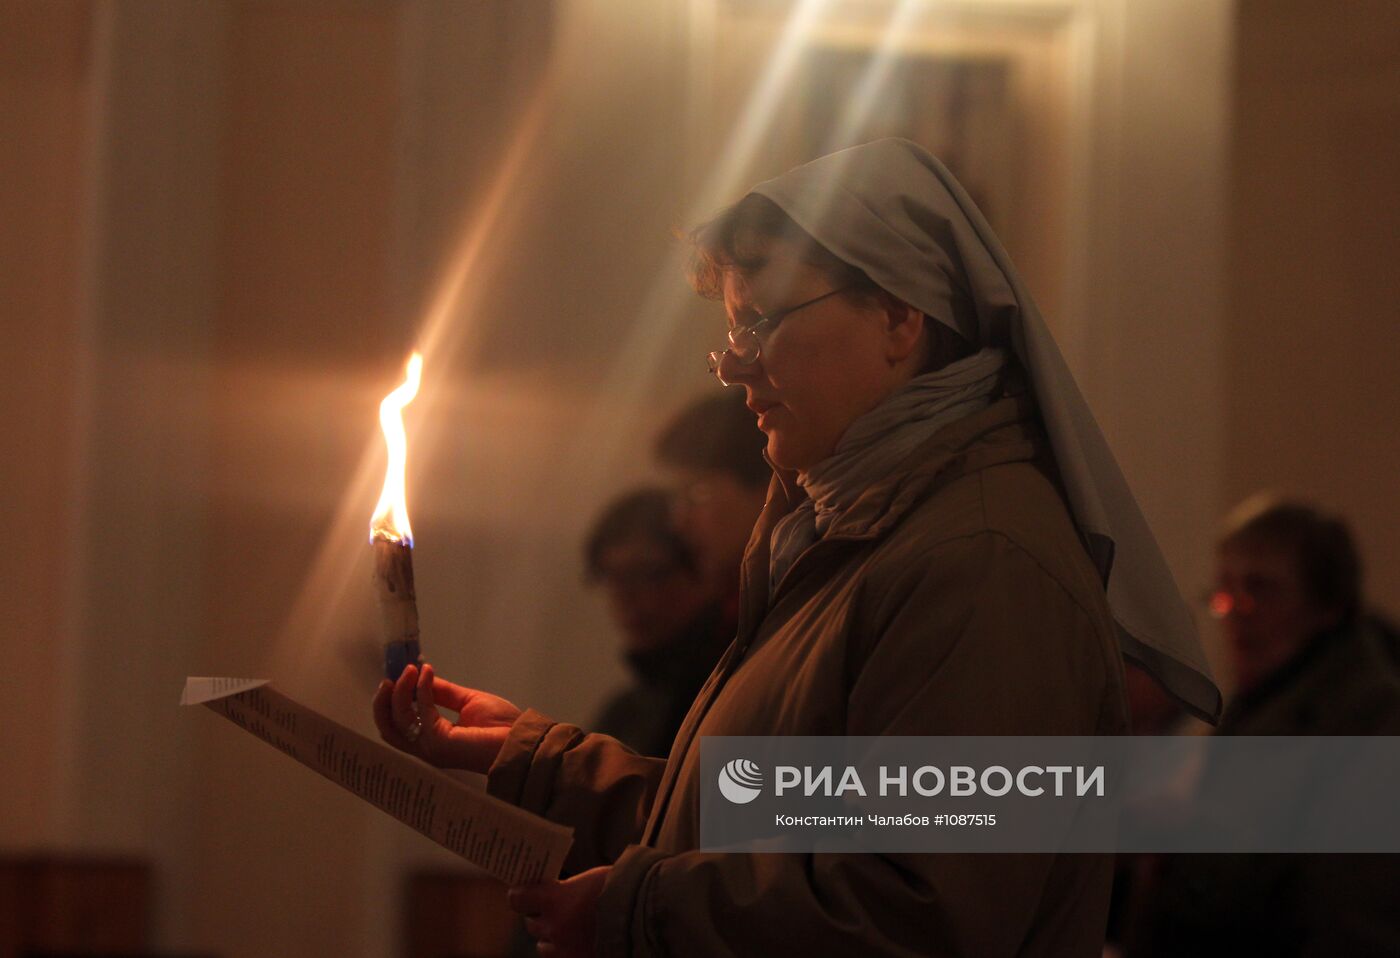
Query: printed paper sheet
<point x="513" y="845"/>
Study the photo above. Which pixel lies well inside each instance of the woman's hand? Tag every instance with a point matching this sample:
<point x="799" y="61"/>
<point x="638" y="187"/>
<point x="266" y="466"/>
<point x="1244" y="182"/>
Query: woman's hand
<point x="471" y="743"/>
<point x="562" y="916"/>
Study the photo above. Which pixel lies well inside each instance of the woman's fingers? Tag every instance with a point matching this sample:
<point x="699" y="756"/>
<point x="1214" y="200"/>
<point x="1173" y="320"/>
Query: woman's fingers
<point x="405" y="717"/>
<point x="531" y="900"/>
<point x="560" y="915"/>
<point x="450" y="695"/>
<point x="427" y="713"/>
<point x="405" y="712"/>
<point x="475" y="707"/>
<point x="384" y="716"/>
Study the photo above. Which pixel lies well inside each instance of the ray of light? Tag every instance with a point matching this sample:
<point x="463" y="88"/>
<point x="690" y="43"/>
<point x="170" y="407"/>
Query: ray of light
<point x="595" y="450"/>
<point x="874" y="79"/>
<point x="756" y="120"/>
<point x="307" y="628"/>
<point x="595" y="447"/>
<point x="629" y="378"/>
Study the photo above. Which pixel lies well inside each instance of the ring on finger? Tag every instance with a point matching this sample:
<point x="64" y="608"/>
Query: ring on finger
<point x="414" y="730"/>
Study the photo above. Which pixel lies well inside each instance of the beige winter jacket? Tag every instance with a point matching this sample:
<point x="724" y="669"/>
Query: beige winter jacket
<point x="954" y="599"/>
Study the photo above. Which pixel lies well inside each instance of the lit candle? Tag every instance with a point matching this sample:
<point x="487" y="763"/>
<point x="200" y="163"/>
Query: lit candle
<point x="391" y="537"/>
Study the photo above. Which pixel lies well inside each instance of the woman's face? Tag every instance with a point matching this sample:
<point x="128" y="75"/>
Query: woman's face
<point x="823" y="366"/>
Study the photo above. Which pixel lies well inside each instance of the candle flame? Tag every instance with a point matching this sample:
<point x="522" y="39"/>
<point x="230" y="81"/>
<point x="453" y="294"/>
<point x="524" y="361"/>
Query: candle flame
<point x="390" y="519"/>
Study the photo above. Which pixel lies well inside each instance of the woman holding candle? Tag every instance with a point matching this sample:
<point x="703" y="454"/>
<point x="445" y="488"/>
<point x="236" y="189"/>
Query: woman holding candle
<point x="932" y="560"/>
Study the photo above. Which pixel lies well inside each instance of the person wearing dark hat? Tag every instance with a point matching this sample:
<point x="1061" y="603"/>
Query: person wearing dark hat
<point x="948" y="548"/>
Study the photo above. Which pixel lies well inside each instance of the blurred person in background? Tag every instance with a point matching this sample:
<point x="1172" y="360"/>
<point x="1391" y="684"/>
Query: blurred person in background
<point x="1308" y="655"/>
<point x="667" y="619"/>
<point x="948" y="548"/>
<point x="714" y="453"/>
<point x="1309" y="658"/>
<point x="664" y="612"/>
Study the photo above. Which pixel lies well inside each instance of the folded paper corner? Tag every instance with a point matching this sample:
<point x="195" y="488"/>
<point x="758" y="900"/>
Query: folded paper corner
<point x="201" y="689"/>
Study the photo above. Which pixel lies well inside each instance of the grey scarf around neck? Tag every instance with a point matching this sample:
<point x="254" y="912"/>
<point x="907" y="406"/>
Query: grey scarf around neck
<point x="876" y="444"/>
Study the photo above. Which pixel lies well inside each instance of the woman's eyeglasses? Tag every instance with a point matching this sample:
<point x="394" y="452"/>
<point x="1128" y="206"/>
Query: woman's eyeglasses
<point x="744" y="343"/>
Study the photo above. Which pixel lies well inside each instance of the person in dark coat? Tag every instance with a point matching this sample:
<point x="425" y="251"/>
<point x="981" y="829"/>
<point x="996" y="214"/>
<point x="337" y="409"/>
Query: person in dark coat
<point x="664" y="612"/>
<point x="1308" y="659"/>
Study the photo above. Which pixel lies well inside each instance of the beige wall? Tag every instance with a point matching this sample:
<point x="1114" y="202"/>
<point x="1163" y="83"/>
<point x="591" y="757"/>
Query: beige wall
<point x="1155" y="212"/>
<point x="45" y="85"/>
<point x="305" y="172"/>
<point x="1313" y="348"/>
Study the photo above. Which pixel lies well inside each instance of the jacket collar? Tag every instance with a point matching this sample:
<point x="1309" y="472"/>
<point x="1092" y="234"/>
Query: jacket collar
<point x="1006" y="431"/>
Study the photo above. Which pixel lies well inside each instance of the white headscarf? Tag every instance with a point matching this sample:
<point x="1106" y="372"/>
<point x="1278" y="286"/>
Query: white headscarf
<point x="891" y="209"/>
